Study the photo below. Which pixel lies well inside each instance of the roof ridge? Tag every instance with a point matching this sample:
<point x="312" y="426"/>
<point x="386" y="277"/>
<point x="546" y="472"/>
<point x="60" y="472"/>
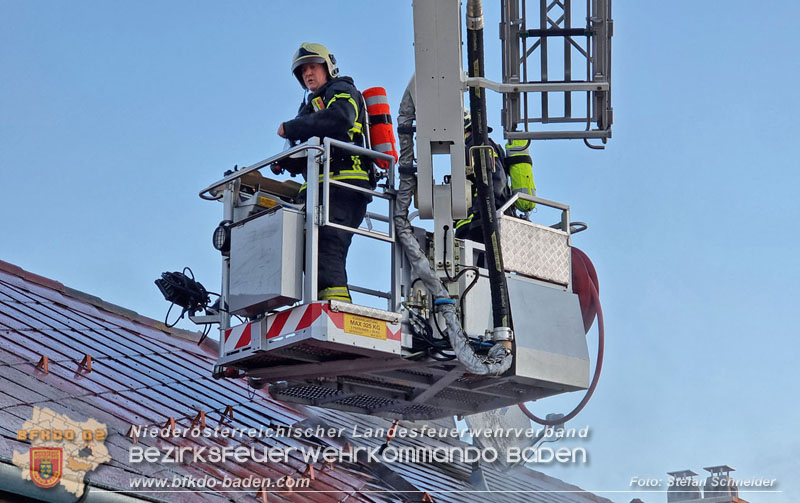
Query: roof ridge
<point x="99" y="303"/>
<point x="31" y="277"/>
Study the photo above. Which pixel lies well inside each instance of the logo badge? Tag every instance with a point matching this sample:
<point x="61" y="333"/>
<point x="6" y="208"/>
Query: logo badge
<point x="46" y="464"/>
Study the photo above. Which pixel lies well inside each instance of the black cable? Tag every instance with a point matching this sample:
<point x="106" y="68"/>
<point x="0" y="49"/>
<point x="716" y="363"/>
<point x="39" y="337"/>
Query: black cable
<point x="464" y="270"/>
<point x="455" y="278"/>
<point x="501" y="310"/>
<point x="414" y="326"/>
<point x="166" y="318"/>
<point x="436" y="322"/>
<point x="206" y="331"/>
<point x="444" y="255"/>
<point x="435" y="343"/>
<point x="443" y="358"/>
<point x="424" y="322"/>
<point x="466" y="291"/>
<point x="427" y="334"/>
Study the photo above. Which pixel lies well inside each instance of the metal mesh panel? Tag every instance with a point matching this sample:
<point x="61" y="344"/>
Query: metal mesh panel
<point x="262" y="360"/>
<point x="414" y="372"/>
<point x="534" y="250"/>
<point x="469" y="379"/>
<point x="368" y="402"/>
<point x="307" y="392"/>
<point x="457" y="395"/>
<point x="382" y="384"/>
<point x="418" y="410"/>
<point x="512" y="388"/>
<point x="311" y="350"/>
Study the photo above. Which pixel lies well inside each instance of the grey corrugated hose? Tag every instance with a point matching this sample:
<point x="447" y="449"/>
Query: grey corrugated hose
<point x="499" y="359"/>
<point x="405" y="120"/>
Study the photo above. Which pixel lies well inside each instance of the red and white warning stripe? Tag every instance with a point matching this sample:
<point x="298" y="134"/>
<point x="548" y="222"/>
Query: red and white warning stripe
<point x="238" y="337"/>
<point x="291" y="321"/>
<point x="282" y="323"/>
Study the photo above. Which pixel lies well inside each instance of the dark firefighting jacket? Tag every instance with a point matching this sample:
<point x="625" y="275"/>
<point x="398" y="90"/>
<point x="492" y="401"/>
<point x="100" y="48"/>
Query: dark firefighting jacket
<point x="336" y="110"/>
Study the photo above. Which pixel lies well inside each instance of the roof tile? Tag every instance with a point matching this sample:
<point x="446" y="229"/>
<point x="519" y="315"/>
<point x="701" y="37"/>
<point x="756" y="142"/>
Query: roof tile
<point x="144" y="373"/>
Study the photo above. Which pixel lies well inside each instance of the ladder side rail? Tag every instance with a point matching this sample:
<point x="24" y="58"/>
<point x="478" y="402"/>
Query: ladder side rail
<point x="524" y="53"/>
<point x="544" y="75"/>
<point x="557" y="135"/>
<point x="538" y="200"/>
<point x="509" y="36"/>
<point x="541" y="87"/>
<point x="567" y="22"/>
<point x="311" y="227"/>
<point x="602" y="25"/>
<point x="225" y="287"/>
<point x="324" y="211"/>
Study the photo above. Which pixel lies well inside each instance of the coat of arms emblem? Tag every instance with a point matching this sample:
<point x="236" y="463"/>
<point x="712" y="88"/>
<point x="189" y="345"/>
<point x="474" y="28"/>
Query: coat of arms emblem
<point x="46" y="465"/>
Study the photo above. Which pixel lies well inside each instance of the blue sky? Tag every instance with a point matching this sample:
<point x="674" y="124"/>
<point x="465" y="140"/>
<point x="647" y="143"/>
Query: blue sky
<point x="113" y="115"/>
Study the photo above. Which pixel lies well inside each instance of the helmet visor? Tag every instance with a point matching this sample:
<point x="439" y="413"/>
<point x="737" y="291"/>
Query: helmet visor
<point x="302" y="60"/>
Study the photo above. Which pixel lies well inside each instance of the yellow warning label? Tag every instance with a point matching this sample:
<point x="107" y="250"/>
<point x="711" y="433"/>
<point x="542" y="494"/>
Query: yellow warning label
<point x="368" y="327"/>
<point x="266" y="202"/>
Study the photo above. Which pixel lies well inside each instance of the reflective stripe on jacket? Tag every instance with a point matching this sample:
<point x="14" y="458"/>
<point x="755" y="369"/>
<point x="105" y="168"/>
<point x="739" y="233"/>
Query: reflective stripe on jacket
<point x="336" y="110"/>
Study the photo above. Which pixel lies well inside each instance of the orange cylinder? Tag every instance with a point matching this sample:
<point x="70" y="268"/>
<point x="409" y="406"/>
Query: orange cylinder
<point x="381" y="131"/>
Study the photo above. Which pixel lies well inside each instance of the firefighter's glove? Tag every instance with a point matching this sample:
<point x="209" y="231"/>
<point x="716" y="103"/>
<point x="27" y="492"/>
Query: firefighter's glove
<point x="520" y="168"/>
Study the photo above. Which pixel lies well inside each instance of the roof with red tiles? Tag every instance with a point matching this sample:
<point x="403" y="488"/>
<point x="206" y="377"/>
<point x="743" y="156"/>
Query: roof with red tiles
<point x="144" y="373"/>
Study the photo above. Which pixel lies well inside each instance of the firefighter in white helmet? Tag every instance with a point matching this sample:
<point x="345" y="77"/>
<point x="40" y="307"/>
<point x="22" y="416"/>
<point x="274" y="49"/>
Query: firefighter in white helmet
<point x="332" y="108"/>
<point x="515" y="164"/>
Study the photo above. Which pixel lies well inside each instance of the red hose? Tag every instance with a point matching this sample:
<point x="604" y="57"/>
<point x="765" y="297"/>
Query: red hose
<point x="584" y="274"/>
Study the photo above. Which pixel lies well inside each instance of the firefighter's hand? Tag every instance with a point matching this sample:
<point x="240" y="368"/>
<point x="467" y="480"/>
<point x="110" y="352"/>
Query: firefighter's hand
<point x="276" y="168"/>
<point x="281" y="133"/>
